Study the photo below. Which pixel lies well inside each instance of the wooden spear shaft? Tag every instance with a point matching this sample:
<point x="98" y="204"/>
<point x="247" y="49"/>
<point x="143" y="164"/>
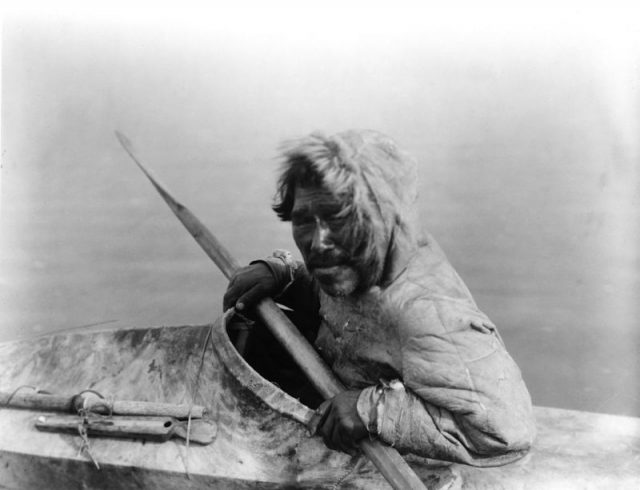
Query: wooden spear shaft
<point x="70" y="403"/>
<point x="388" y="461"/>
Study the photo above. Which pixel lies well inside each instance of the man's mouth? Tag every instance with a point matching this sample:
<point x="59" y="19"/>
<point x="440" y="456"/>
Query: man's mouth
<point x="336" y="279"/>
<point x="326" y="262"/>
<point x="327" y="269"/>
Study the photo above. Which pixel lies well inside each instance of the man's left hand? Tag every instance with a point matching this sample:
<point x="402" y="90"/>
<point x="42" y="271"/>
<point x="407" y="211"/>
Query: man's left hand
<point x="338" y="422"/>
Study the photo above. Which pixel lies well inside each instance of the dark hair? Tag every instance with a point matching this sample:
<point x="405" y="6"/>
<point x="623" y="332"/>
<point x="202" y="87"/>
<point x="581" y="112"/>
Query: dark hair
<point x="298" y="171"/>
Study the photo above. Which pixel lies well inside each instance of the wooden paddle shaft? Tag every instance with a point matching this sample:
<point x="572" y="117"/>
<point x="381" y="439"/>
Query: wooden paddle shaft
<point x="395" y="469"/>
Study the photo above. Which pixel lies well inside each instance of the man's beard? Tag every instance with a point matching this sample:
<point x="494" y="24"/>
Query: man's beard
<point x="340" y="280"/>
<point x="340" y="276"/>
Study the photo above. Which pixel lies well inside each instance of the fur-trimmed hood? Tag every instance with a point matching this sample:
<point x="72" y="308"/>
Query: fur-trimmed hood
<point x="457" y="395"/>
<point x="378" y="181"/>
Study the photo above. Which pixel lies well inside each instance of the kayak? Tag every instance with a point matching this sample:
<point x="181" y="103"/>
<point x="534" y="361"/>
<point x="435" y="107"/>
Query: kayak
<point x="260" y="439"/>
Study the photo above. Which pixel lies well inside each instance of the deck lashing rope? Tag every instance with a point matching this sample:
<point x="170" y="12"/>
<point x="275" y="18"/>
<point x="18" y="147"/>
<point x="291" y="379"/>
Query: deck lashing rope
<point x="194" y="388"/>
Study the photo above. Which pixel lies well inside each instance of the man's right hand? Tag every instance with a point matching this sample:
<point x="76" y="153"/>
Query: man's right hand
<point x="249" y="285"/>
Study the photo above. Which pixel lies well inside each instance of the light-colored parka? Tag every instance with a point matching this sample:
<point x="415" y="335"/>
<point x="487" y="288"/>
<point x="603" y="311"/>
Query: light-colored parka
<point x="435" y="376"/>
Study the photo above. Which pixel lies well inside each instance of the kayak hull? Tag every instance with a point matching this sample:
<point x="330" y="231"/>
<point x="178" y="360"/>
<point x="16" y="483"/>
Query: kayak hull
<point x="261" y="440"/>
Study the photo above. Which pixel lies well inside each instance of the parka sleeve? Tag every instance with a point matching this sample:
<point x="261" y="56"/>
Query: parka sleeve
<point x="461" y="397"/>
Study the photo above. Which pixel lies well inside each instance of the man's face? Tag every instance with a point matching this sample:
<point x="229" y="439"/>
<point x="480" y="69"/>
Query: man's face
<point x="322" y="236"/>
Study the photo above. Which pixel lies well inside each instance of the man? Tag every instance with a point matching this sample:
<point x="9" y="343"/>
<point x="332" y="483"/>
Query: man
<point x="426" y="370"/>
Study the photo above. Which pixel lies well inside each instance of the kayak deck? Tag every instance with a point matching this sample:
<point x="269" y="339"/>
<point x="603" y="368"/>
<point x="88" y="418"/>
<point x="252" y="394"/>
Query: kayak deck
<point x="261" y="440"/>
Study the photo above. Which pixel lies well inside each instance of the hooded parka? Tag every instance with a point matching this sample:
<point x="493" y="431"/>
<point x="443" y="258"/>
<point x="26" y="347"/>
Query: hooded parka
<point x="434" y="374"/>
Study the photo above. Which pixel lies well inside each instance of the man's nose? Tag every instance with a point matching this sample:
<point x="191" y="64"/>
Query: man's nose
<point x="321" y="237"/>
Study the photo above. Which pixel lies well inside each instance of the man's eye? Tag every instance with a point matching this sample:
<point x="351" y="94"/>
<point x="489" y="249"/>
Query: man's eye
<point x="302" y="220"/>
<point x="336" y="221"/>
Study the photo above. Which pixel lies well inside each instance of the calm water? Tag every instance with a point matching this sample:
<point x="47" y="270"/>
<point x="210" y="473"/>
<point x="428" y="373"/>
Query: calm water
<point x="529" y="181"/>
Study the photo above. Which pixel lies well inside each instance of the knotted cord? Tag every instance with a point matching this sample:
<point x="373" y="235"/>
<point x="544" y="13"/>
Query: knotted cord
<point x="194" y="388"/>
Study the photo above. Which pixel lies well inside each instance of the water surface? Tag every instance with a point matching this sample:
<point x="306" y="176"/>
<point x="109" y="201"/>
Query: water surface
<point x="528" y="176"/>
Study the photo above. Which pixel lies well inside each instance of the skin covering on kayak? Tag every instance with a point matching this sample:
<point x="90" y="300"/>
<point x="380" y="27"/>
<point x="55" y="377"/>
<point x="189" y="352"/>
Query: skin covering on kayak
<point x="262" y="440"/>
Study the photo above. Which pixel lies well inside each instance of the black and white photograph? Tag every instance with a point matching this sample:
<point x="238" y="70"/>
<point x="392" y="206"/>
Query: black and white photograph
<point x="339" y="245"/>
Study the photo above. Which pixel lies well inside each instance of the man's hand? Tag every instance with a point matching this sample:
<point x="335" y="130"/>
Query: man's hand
<point x="338" y="422"/>
<point x="249" y="285"/>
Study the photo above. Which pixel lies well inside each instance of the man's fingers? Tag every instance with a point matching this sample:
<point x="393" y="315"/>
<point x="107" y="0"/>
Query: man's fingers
<point x="250" y="297"/>
<point x="229" y="299"/>
<point x="338" y="423"/>
<point x="341" y="440"/>
<point x="248" y="285"/>
<point x="326" y="430"/>
<point x="233" y="292"/>
<point x="319" y="417"/>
